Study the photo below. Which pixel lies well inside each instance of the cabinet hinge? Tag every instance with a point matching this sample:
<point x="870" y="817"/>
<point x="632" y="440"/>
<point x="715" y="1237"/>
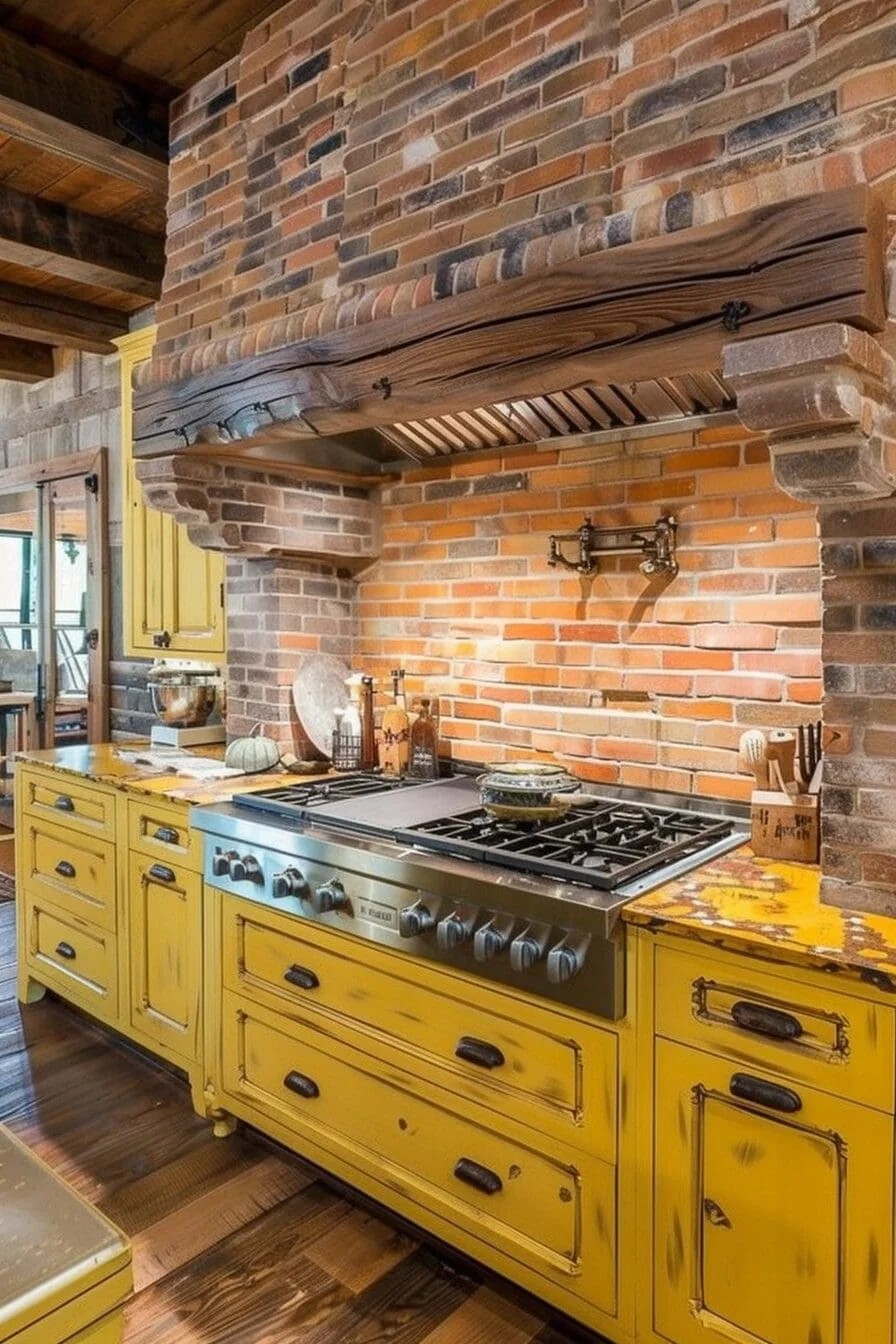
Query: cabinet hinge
<point x="221" y="595"/>
<point x="92" y="483"/>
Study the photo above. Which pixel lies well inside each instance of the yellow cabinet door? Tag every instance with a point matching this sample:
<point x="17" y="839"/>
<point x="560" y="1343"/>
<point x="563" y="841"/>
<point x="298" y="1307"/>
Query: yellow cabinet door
<point x="175" y="589"/>
<point x="772" y="1208"/>
<point x="165" y="927"/>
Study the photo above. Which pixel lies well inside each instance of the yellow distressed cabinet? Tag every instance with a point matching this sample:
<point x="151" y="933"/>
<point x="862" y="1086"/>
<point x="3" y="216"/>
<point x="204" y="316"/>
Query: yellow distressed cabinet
<point x="489" y="1118"/>
<point x="109" y="889"/>
<point x="772" y="1186"/>
<point x="174" y="590"/>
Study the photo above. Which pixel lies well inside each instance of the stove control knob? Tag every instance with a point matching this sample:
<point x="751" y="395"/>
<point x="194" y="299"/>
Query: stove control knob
<point x="563" y="963"/>
<point x="414" y="920"/>
<point x="451" y="931"/>
<point x="245" y="869"/>
<point x="328" y="896"/>
<point x="291" y="882"/>
<point x="488" y="942"/>
<point x="525" y="950"/>
<point x="221" y="861"/>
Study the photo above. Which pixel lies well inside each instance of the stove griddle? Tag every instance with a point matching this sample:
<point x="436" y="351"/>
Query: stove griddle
<point x="367" y="804"/>
<point x="603" y="845"/>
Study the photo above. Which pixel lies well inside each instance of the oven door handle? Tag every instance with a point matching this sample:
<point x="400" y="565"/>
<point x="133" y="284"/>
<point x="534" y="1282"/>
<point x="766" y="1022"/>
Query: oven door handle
<point x="480" y="1053"/>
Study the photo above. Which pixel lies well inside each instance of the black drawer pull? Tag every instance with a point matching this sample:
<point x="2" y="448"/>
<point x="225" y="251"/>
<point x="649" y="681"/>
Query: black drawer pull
<point x="161" y="873"/>
<point x="64" y="803"/>
<point x="301" y="977"/>
<point x="766" y="1021"/>
<point x="301" y="1084"/>
<point x="483" y="1054"/>
<point x="65" y="869"/>
<point x="481" y="1178"/>
<point x="167" y="834"/>
<point x="66" y="950"/>
<point x="774" y="1096"/>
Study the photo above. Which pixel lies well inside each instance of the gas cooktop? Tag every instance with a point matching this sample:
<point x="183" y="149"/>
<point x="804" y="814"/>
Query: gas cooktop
<point x="606" y="844"/>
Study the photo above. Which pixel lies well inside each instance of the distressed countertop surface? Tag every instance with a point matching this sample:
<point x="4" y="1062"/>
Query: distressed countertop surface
<point x="102" y="763"/>
<point x="771" y="909"/>
<point x="761" y="906"/>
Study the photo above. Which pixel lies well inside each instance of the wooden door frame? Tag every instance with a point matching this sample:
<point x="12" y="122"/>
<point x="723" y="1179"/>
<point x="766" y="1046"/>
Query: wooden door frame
<point x="90" y="463"/>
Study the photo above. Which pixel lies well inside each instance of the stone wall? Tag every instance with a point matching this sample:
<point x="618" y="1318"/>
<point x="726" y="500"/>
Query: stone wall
<point x="76" y="411"/>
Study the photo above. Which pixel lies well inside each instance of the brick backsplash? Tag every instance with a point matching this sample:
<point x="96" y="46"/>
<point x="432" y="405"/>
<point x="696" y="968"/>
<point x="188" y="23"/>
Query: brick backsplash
<point x="520" y="654"/>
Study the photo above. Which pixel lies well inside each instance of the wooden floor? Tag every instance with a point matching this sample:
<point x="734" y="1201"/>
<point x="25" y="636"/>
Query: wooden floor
<point x="235" y="1241"/>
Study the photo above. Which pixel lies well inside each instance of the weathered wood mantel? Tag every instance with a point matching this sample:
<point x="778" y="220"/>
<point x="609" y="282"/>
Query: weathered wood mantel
<point x="660" y="307"/>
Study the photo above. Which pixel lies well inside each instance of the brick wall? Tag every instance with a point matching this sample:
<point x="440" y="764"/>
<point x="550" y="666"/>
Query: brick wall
<point x="522" y="655"/>
<point x="859" y="646"/>
<point x="360" y="159"/>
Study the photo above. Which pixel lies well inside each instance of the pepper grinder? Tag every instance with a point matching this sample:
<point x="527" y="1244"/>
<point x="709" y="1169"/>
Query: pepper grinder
<point x="368" y="734"/>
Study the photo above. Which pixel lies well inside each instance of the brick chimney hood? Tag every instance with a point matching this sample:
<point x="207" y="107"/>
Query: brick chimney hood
<point x="526" y="358"/>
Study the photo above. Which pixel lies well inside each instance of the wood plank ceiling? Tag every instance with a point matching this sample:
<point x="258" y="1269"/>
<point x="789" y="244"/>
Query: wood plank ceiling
<point x="84" y="92"/>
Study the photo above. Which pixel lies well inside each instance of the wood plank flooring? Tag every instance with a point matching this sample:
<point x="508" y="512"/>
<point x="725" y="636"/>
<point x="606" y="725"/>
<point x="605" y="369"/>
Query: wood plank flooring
<point x="235" y="1241"/>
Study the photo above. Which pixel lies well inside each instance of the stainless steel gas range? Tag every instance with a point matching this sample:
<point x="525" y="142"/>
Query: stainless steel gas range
<point x="424" y="869"/>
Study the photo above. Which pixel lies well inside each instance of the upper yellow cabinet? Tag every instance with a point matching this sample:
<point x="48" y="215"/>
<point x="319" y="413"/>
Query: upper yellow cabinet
<point x="174" y="591"/>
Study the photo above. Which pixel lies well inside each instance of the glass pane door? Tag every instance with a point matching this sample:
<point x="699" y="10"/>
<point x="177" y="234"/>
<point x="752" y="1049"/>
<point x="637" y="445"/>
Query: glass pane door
<point x="66" y="571"/>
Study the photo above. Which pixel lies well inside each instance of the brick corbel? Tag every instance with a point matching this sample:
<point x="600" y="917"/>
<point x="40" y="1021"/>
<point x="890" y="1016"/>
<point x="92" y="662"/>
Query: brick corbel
<point x="228" y="506"/>
<point x="824" y="397"/>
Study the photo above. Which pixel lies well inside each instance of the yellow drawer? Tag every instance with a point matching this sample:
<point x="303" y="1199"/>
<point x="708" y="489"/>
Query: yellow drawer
<point x="76" y="872"/>
<point x="161" y="832"/>
<point x="811" y="1032"/>
<point x="72" y="957"/>
<point x="528" y="1062"/>
<point x="554" y="1211"/>
<point x="57" y="798"/>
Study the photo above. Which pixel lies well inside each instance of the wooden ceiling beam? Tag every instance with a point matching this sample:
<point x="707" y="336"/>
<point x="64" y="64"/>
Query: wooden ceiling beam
<point x="25" y="361"/>
<point x="83" y="248"/>
<point x="78" y="114"/>
<point x="51" y="319"/>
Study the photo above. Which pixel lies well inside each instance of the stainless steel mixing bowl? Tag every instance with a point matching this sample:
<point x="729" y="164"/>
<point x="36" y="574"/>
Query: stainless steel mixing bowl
<point x="184" y="702"/>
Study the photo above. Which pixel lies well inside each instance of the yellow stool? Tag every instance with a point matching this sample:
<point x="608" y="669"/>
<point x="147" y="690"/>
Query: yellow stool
<point x="65" y="1270"/>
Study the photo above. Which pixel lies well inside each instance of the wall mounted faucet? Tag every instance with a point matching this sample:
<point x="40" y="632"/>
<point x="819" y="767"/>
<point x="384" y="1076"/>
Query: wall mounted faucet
<point x="656" y="543"/>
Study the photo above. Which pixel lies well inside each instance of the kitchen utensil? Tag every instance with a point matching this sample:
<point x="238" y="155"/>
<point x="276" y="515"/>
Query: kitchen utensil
<point x="752" y="756"/>
<point x="780" y="751"/>
<point x="529" y="792"/>
<point x="317" y="691"/>
<point x="347" y="744"/>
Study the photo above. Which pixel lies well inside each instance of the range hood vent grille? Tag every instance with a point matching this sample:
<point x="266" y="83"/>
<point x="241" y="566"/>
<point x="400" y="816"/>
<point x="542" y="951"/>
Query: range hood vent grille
<point x="587" y="409"/>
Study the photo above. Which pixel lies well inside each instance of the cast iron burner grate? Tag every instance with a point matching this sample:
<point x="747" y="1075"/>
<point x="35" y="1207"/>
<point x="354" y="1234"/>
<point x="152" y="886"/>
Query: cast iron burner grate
<point x="604" y="845"/>
<point x="285" y="801"/>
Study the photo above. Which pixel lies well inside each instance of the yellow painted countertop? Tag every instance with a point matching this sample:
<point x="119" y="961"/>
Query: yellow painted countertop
<point x="101" y="763"/>
<point x="772" y="910"/>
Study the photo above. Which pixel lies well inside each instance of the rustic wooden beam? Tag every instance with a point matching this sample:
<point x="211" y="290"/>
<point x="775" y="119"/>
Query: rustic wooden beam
<point x="656" y="308"/>
<point x="85" y="248"/>
<point x="38" y="315"/>
<point x="25" y="361"/>
<point x="78" y="114"/>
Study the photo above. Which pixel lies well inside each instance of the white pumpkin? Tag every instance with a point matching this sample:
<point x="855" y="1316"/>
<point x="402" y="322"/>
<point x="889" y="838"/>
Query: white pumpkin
<point x="252" y="754"/>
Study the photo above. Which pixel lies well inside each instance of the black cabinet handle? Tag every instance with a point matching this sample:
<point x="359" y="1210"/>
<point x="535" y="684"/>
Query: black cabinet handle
<point x="161" y="873"/>
<point x="301" y="977"/>
<point x="301" y="1084"/>
<point x="167" y="834"/>
<point x="66" y="950"/>
<point x="64" y="803"/>
<point x="763" y="1093"/>
<point x="162" y="640"/>
<point x="481" y="1053"/>
<point x="65" y="869"/>
<point x="481" y="1178"/>
<point x="766" y="1021"/>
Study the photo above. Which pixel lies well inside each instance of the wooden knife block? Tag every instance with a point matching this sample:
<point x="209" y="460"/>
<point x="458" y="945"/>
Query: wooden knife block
<point x="784" y="827"/>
